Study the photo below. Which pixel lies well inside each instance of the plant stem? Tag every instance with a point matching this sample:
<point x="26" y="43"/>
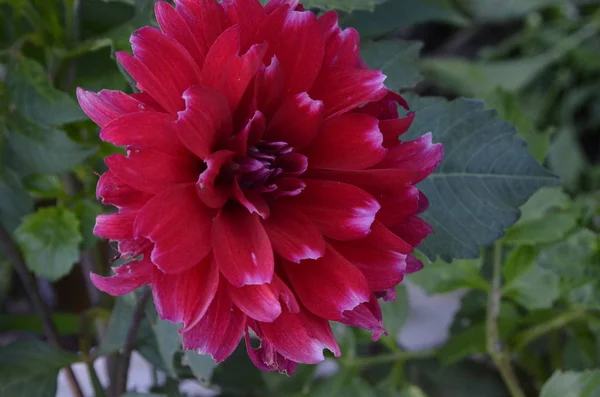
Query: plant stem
<point x="132" y="333"/>
<point x="500" y="357"/>
<point x="31" y="288"/>
<point x="397" y="356"/>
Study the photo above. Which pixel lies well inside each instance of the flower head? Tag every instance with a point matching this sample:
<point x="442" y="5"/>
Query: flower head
<point x="264" y="186"/>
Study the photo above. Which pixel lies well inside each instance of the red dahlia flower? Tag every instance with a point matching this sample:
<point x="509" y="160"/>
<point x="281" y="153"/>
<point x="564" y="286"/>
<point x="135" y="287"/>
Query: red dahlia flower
<point x="264" y="185"/>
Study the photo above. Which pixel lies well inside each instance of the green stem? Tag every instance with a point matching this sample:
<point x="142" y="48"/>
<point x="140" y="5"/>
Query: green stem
<point x="499" y="356"/>
<point x="529" y="335"/>
<point x="398" y="356"/>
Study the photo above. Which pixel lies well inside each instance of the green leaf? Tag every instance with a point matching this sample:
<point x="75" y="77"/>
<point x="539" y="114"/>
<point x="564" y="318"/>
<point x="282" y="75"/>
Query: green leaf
<point x="544" y="200"/>
<point x="15" y="202"/>
<point x="572" y="384"/>
<point x="395" y="313"/>
<point x="479" y="78"/>
<point x="395" y="14"/>
<point x="567" y="157"/>
<point x="537" y="288"/>
<point x="552" y="227"/>
<point x="519" y="261"/>
<point x="45" y="186"/>
<point x="440" y="277"/>
<point x="486" y="174"/>
<point x="343" y="5"/>
<point x="35" y="98"/>
<point x="397" y="59"/>
<point x="50" y="241"/>
<point x="118" y="324"/>
<point x="168" y="339"/>
<point x="30" y="368"/>
<point x="35" y="149"/>
<point x="202" y="365"/>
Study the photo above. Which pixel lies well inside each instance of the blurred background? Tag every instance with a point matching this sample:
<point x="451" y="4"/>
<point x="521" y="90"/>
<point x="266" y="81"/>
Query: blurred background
<point x="536" y="62"/>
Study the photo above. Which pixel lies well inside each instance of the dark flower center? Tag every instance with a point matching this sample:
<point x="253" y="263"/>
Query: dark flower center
<point x="268" y="165"/>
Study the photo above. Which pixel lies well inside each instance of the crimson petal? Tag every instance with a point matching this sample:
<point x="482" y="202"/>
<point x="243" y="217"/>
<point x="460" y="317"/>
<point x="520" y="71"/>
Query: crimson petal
<point x="293" y="235"/>
<point x="185" y="297"/>
<point x="341" y="211"/>
<point x="241" y="247"/>
<point x="179" y="225"/>
<point x="107" y="105"/>
<point x="355" y="139"/>
<point x="115" y="226"/>
<point x="413" y="230"/>
<point x="114" y="191"/>
<point x="128" y="277"/>
<point x="259" y="302"/>
<point x="173" y="24"/>
<point x="219" y="332"/>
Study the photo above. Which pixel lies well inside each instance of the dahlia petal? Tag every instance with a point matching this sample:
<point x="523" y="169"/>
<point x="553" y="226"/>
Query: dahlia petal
<point x="413" y="264"/>
<point x="329" y="285"/>
<point x="269" y="87"/>
<point x="249" y="135"/>
<point x="392" y="129"/>
<point x="297" y="121"/>
<point x="205" y="121"/>
<point x="229" y="72"/>
<point x="128" y="277"/>
<point x="423" y="203"/>
<point x="143" y="130"/>
<point x="343" y="89"/>
<point x="292" y="163"/>
<point x="107" y="105"/>
<point x="413" y="230"/>
<point x="185" y="297"/>
<point x="117" y="226"/>
<point x="355" y="139"/>
<point x="212" y="194"/>
<point x="221" y="316"/>
<point x="266" y="357"/>
<point x="179" y="225"/>
<point x="381" y="256"/>
<point x="272" y="5"/>
<point x="252" y="201"/>
<point x="241" y="247"/>
<point x="161" y="67"/>
<point x="302" y="60"/>
<point x="174" y="25"/>
<point x="248" y="14"/>
<point x="397" y="203"/>
<point x="293" y="235"/>
<point x="205" y="18"/>
<point x="341" y="211"/>
<point x="258" y="302"/>
<point x="301" y="337"/>
<point x="115" y="192"/>
<point x="366" y="316"/>
<point x="420" y="155"/>
<point x="341" y="46"/>
<point x="151" y="170"/>
<point x="386" y="108"/>
<point x="371" y="180"/>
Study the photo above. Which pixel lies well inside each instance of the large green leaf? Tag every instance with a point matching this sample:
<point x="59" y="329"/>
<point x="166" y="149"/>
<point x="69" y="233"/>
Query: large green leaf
<point x="35" y="98"/>
<point x="34" y="149"/>
<point x="486" y="174"/>
<point x="30" y="368"/>
<point x="572" y="384"/>
<point x="15" y="202"/>
<point x="440" y="277"/>
<point x="50" y="241"/>
<point x="395" y="14"/>
<point x="396" y="58"/>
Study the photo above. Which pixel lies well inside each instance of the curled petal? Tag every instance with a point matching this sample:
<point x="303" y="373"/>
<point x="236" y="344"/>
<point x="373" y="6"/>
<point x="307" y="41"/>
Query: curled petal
<point x="269" y="87"/>
<point x="174" y="25"/>
<point x="259" y="302"/>
<point x="248" y="14"/>
<point x="413" y="230"/>
<point x="366" y="316"/>
<point x="128" y="277"/>
<point x="114" y="191"/>
<point x="251" y="200"/>
<point x="300" y="337"/>
<point x="212" y="194"/>
<point x="117" y="226"/>
<point x="392" y="129"/>
<point x="266" y="357"/>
